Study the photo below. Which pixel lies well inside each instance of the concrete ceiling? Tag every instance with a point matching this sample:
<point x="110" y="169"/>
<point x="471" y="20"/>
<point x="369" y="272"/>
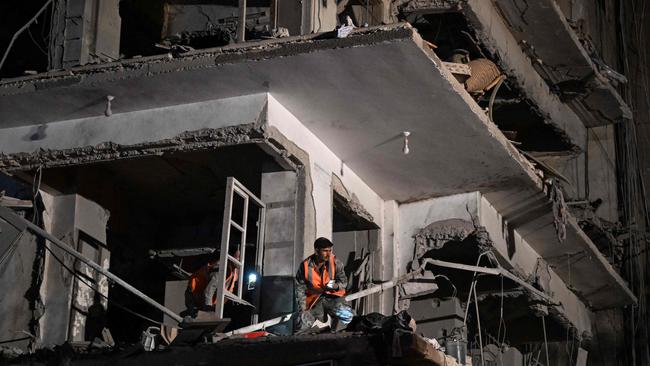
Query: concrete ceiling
<point x="355" y="94"/>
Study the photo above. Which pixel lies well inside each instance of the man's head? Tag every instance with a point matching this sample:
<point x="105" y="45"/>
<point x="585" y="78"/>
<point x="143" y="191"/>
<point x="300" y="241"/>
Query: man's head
<point x="323" y="248"/>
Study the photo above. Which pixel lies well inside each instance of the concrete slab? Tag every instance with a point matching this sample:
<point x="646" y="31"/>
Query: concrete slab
<point x="494" y="35"/>
<point x="576" y="260"/>
<point x="558" y="55"/>
<point x="357" y="107"/>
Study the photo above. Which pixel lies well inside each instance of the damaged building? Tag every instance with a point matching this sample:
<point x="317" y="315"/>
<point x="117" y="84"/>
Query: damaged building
<point x="478" y="165"/>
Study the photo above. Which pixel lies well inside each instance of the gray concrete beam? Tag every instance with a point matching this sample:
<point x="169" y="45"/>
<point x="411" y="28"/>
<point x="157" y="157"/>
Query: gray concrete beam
<point x="494" y="33"/>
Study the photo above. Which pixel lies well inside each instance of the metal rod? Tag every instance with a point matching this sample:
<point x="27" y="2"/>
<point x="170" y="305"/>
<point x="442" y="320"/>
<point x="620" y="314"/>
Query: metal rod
<point x="492" y="271"/>
<point x="464" y="267"/>
<point x="478" y="326"/>
<point x="10" y="217"/>
<point x="21" y="30"/>
<point x="357" y="295"/>
<point x="262" y="325"/>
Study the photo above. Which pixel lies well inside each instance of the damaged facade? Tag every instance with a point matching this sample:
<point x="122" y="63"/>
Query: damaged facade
<point x="472" y="161"/>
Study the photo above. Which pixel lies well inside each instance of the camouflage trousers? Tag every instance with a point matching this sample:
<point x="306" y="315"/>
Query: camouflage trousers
<point x="332" y="306"/>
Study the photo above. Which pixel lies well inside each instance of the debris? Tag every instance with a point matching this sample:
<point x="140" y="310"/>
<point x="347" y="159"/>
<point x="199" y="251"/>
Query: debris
<point x="485" y="75"/>
<point x="439" y="233"/>
<point x="23" y="225"/>
<point x="460" y="71"/>
<point x="12" y="202"/>
<point x="280" y="32"/>
<point x="456" y="348"/>
<point x="148" y="338"/>
<point x="419" y="287"/>
<point x="431" y="45"/>
<point x="459" y="56"/>
<point x="346" y="29"/>
<point x="433" y="342"/>
<point x="256" y="334"/>
<point x="9" y="352"/>
<point x="545" y="168"/>
<point x="560" y="210"/>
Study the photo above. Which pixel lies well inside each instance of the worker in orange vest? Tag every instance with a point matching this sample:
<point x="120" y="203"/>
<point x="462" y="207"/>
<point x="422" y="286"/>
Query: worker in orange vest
<point x="201" y="293"/>
<point x="320" y="289"/>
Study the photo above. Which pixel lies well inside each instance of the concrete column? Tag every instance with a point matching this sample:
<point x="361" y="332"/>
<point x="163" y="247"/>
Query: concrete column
<point x="389" y="247"/>
<point x="279" y="193"/>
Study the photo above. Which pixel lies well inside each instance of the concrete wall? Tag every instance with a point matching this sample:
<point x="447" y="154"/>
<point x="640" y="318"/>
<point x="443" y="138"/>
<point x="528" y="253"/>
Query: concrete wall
<point x="525" y="261"/>
<point x="417" y="215"/>
<point x="599" y="160"/>
<point x="348" y="246"/>
<point x="389" y="249"/>
<point x="58" y="220"/>
<point x="323" y="163"/>
<point x="602" y="170"/>
<point x="15" y="280"/>
<point x="596" y="20"/>
<point x="89" y="32"/>
<point x="324" y="16"/>
<point x="64" y="217"/>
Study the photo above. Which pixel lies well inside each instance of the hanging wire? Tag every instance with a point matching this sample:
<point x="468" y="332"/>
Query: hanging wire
<point x="548" y="362"/>
<point x="478" y="325"/>
<point x="633" y="195"/>
<point x="502" y="322"/>
<point x="21" y="30"/>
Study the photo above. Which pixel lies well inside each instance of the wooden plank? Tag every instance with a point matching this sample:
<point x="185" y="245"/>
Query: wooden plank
<point x="458" y="69"/>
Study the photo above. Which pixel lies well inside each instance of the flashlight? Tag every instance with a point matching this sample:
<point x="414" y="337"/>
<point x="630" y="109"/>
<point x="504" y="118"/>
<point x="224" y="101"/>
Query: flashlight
<point x="252" y="280"/>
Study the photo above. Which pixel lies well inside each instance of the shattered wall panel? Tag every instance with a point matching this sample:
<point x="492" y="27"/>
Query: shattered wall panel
<point x="66" y="216"/>
<point x="15" y="280"/>
<point x="417" y="215"/>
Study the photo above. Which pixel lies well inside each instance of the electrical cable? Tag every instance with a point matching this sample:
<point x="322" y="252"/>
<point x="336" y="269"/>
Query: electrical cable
<point x="21" y="30"/>
<point x="548" y="362"/>
<point x="40" y="48"/>
<point x="493" y="96"/>
<point x="478" y="325"/>
<point x="473" y="285"/>
<point x="15" y="340"/>
<point x="501" y="320"/>
<point x="451" y="283"/>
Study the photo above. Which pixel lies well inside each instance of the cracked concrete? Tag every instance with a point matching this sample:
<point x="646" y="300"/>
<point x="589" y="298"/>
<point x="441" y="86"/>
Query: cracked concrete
<point x="187" y="141"/>
<point x="494" y="34"/>
<point x="350" y="201"/>
<point x="560" y="58"/>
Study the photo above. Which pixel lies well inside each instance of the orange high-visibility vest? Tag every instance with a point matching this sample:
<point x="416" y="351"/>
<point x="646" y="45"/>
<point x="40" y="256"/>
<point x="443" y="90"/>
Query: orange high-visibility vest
<point x="316" y="283"/>
<point x="200" y="278"/>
